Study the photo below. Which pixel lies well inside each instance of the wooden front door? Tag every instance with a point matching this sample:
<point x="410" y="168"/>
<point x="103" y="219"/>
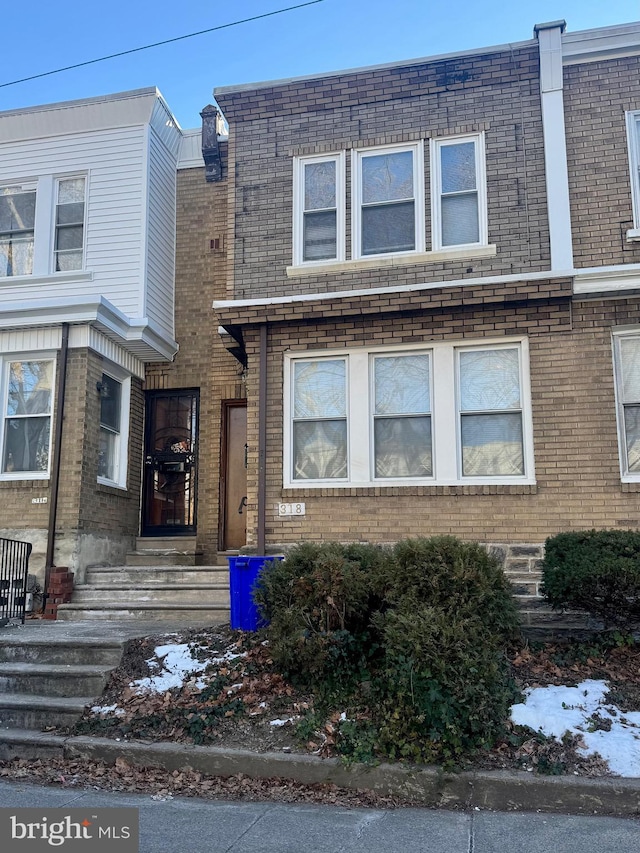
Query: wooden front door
<point x="233" y="476"/>
<point x="170" y="475"/>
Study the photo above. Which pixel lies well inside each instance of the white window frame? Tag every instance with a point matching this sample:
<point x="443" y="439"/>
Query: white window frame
<point x="44" y="240"/>
<point x="24" y="186"/>
<point x="299" y="164"/>
<point x="5" y="363"/>
<point x="445" y="419"/>
<point x="124" y="379"/>
<point x="357" y="156"/>
<point x="435" y="147"/>
<point x="617" y="336"/>
<point x="633" y="148"/>
<point x="54" y="252"/>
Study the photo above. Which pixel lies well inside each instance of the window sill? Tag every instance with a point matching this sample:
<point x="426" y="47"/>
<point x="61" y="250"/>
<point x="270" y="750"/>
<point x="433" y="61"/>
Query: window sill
<point x="381" y="262"/>
<point x="111" y="486"/>
<point x="51" y="278"/>
<point x="633" y="235"/>
<point x="24" y="481"/>
<point x="408" y="490"/>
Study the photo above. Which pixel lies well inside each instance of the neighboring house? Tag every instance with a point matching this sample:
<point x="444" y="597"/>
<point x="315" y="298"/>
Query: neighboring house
<point x="434" y="279"/>
<point x="87" y="254"/>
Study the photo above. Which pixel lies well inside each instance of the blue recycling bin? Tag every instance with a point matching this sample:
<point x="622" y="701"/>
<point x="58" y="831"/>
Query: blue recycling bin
<point x="243" y="573"/>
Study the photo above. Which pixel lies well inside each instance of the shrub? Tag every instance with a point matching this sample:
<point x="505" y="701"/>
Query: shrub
<point x="597" y="571"/>
<point x="414" y="635"/>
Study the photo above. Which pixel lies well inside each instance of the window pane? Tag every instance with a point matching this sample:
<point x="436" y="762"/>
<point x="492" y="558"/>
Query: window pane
<point x="26" y="444"/>
<point x="71" y="191"/>
<point x="492" y="445"/>
<point x="319" y="236"/>
<point x="319" y="185"/>
<point x="489" y="379"/>
<point x="16" y="255"/>
<point x="320" y="450"/>
<point x="403" y="447"/>
<point x="66" y="261"/>
<point x="401" y="384"/>
<point x="17" y="210"/>
<point x="107" y="455"/>
<point x="70" y="214"/>
<point x="388" y="228"/>
<point x="386" y="177"/>
<point x="69" y="237"/>
<point x="320" y="389"/>
<point x="110" y="395"/>
<point x="630" y="359"/>
<point x="632" y="433"/>
<point x="458" y="167"/>
<point x="460" y="220"/>
<point x="30" y="384"/>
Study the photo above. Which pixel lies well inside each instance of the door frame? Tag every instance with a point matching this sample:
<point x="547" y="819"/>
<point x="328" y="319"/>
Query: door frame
<point x="168" y="530"/>
<point x="226" y="405"/>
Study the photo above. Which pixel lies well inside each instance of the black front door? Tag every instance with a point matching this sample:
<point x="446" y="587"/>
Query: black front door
<point x="169" y="492"/>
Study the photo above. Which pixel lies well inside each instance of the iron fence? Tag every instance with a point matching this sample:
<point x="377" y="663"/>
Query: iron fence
<point x="14" y="569"/>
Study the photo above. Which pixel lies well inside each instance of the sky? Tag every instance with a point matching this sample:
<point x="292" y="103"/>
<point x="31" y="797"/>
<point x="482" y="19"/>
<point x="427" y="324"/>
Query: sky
<point x="329" y="35"/>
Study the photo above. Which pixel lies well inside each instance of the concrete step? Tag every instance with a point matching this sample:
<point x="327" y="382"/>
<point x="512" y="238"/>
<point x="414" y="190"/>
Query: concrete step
<point x="183" y="594"/>
<point x="26" y="648"/>
<point x="164" y="558"/>
<point x="21" y="711"/>
<point x="137" y="575"/>
<point x="166" y="543"/>
<point x="53" y="679"/>
<point x="30" y="745"/>
<point x="187" y="614"/>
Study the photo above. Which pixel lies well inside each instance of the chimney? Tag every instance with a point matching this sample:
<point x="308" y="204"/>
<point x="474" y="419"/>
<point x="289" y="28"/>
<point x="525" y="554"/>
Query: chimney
<point x="210" y="147"/>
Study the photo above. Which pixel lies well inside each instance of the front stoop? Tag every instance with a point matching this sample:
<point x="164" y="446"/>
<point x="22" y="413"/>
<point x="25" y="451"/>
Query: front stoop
<point x="165" y="551"/>
<point x="190" y="594"/>
<point x="47" y="682"/>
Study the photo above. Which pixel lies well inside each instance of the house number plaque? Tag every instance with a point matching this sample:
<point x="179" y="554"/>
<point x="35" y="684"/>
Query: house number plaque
<point x="292" y="509"/>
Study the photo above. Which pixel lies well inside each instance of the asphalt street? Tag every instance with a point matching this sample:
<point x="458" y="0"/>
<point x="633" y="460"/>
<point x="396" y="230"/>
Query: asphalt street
<point x="186" y="825"/>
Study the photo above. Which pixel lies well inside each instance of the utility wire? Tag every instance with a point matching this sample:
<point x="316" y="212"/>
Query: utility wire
<point x="159" y="43"/>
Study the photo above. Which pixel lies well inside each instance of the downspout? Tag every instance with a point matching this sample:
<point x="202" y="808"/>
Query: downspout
<point x="55" y="473"/>
<point x="262" y="441"/>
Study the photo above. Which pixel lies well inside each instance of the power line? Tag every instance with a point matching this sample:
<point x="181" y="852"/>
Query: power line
<point x="159" y="43"/>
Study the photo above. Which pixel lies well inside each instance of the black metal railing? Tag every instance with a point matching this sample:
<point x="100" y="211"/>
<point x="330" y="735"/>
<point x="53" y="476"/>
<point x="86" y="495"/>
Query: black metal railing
<point x="14" y="571"/>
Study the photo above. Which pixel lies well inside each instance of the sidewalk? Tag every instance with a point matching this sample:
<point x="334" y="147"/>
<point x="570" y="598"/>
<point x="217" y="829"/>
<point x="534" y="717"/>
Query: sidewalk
<point x="184" y="825"/>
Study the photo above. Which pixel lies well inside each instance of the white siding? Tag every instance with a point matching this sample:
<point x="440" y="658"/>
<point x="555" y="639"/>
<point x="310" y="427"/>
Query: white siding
<point x="114" y="161"/>
<point x="161" y="228"/>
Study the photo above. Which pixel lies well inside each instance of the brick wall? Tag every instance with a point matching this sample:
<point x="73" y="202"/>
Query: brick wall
<point x="202" y="361"/>
<point x="596" y="95"/>
<point x="498" y="94"/>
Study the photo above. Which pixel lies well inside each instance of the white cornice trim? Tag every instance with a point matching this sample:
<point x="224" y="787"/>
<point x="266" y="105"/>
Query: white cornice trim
<point x="404" y="288"/>
<point x="602" y="43"/>
<point x="139" y="335"/>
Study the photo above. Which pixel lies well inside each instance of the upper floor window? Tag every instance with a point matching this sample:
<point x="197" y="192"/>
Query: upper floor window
<point x="27" y="388"/>
<point x="387" y="202"/>
<point x="386" y="198"/>
<point x="633" y="136"/>
<point x="42" y="226"/>
<point x="437" y="414"/>
<point x="319" y="204"/>
<point x="17" y="223"/>
<point x="458" y="201"/>
<point x="69" y="239"/>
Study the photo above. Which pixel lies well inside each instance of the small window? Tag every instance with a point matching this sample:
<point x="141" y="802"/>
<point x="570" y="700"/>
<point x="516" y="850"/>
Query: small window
<point x="458" y="192"/>
<point x="17" y="224"/>
<point x="627" y="355"/>
<point x="388" y="201"/>
<point x="26" y="436"/>
<point x="114" y="427"/>
<point x="491" y="413"/>
<point x="319" y="209"/>
<point x="320" y="420"/>
<point x="69" y="240"/>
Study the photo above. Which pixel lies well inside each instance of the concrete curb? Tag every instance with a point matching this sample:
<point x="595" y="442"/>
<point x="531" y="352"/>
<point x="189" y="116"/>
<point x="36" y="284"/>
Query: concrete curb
<point x="497" y="790"/>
